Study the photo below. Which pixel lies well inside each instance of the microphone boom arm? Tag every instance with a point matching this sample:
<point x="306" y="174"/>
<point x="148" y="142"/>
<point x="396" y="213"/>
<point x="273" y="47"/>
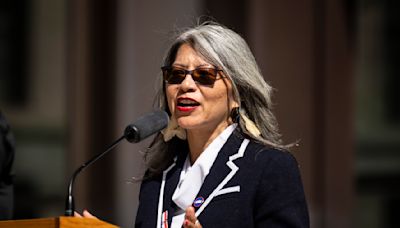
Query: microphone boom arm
<point x="141" y="129"/>
<point x="70" y="204"/>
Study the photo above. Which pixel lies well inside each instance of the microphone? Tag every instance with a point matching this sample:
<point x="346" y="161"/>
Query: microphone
<point x="146" y="126"/>
<point x="134" y="133"/>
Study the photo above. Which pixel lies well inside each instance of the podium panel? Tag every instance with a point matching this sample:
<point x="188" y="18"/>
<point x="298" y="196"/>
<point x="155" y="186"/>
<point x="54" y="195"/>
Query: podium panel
<point x="58" y="222"/>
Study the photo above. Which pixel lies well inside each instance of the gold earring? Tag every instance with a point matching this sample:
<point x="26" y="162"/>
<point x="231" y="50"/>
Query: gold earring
<point x="250" y="126"/>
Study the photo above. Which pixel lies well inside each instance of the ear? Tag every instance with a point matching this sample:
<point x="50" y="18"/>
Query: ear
<point x="233" y="97"/>
<point x="233" y="100"/>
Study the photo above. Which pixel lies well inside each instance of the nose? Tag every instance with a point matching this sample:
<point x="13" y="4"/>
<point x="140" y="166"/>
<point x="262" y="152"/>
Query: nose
<point x="188" y="84"/>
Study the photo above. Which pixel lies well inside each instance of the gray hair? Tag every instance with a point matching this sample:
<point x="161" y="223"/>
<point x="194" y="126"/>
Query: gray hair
<point x="228" y="51"/>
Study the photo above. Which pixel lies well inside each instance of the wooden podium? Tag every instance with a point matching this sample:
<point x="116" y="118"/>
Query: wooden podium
<point x="58" y="222"/>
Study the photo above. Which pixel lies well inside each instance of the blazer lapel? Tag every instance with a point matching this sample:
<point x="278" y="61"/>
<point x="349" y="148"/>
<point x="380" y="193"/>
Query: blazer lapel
<point x="170" y="186"/>
<point x="220" y="173"/>
<point x="171" y="181"/>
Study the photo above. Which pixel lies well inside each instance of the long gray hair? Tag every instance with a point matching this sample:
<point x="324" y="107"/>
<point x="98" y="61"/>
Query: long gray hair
<point x="228" y="51"/>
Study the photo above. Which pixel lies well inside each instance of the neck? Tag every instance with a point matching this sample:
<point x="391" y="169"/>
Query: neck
<point x="199" y="139"/>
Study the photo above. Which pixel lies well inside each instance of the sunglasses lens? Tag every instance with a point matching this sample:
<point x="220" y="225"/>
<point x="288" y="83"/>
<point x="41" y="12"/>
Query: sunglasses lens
<point x="206" y="76"/>
<point x="203" y="76"/>
<point x="176" y="76"/>
<point x="173" y="75"/>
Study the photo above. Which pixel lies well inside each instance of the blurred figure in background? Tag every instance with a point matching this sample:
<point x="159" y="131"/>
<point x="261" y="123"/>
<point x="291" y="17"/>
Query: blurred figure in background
<point x="7" y="150"/>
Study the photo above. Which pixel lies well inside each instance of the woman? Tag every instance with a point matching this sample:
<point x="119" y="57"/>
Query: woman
<point x="220" y="162"/>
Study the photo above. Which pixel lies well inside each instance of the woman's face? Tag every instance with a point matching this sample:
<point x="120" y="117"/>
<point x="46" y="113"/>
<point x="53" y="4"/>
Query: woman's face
<point x="196" y="106"/>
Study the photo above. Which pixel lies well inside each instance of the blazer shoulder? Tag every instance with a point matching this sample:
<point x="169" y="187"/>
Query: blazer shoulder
<point x="280" y="199"/>
<point x="261" y="153"/>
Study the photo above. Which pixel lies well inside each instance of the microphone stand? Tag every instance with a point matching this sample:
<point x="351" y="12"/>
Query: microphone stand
<point x="69" y="204"/>
<point x="141" y="129"/>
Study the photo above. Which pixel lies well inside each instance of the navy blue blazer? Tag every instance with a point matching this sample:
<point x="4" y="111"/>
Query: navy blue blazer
<point x="249" y="185"/>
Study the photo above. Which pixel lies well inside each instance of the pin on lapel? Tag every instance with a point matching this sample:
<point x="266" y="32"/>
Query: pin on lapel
<point x="198" y="201"/>
<point x="164" y="223"/>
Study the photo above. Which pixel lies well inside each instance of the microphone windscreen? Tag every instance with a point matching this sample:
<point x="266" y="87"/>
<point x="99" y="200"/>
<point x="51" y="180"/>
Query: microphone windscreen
<point x="146" y="126"/>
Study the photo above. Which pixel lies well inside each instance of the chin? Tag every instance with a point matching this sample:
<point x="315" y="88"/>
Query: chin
<point x="187" y="126"/>
<point x="188" y="123"/>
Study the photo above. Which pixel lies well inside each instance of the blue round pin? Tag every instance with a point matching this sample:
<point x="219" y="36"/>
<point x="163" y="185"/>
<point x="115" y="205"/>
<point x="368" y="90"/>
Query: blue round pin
<point x="198" y="201"/>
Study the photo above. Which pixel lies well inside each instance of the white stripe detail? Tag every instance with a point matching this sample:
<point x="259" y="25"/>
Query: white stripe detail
<point x="228" y="190"/>
<point x="161" y="196"/>
<point x="234" y="169"/>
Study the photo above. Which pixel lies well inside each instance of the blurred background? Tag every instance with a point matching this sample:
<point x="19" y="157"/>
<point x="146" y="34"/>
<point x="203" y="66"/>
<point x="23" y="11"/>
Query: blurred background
<point x="74" y="73"/>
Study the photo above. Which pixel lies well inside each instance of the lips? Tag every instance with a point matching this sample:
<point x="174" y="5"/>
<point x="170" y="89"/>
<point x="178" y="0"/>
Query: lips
<point x="186" y="104"/>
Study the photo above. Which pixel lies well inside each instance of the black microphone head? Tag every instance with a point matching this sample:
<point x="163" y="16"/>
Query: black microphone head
<point x="146" y="126"/>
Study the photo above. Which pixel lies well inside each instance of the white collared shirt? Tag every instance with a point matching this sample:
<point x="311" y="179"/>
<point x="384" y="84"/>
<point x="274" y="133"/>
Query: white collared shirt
<point x="192" y="176"/>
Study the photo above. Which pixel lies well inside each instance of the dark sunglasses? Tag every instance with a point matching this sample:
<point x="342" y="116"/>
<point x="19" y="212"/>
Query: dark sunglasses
<point x="202" y="75"/>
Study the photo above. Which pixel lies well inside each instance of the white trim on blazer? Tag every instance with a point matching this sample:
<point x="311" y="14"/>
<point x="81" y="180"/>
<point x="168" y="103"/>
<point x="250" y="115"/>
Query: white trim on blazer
<point x="219" y="189"/>
<point x="161" y="196"/>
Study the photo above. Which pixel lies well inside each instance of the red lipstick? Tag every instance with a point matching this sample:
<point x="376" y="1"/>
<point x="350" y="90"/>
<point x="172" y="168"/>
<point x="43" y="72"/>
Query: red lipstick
<point x="185" y="104"/>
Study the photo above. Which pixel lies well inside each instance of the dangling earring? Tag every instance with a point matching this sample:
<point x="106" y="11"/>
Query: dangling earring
<point x="173" y="129"/>
<point x="235" y="115"/>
